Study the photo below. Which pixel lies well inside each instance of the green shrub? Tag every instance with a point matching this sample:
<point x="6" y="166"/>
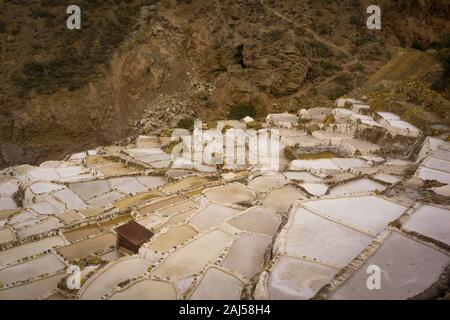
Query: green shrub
<point x="241" y="110"/>
<point x="186" y="123"/>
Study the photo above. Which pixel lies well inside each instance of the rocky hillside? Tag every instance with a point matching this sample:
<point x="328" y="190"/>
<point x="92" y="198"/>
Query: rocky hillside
<point x="139" y="65"/>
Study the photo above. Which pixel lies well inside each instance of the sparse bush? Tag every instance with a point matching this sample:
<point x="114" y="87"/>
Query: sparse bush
<point x="186" y="123"/>
<point x="241" y="110"/>
<point x="254" y="125"/>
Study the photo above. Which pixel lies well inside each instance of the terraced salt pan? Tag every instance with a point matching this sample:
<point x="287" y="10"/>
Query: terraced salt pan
<point x="106" y="199"/>
<point x="185" y="183"/>
<point x="161" y="203"/>
<point x="6" y="235"/>
<point x="280" y="200"/>
<point x="86" y="247"/>
<point x="257" y="220"/>
<point x="70" y="198"/>
<point x="369" y="214"/>
<point x="182" y="206"/>
<point x="172" y="238"/>
<point x="191" y="258"/>
<point x="71" y="171"/>
<point x="151" y="182"/>
<point x="8" y="188"/>
<point x="147" y="289"/>
<point x="218" y="285"/>
<point x="127" y="185"/>
<point x="315" y="189"/>
<point x="430" y="174"/>
<point x="136" y="199"/>
<point x="44" y="207"/>
<point x="331" y="138"/>
<point x="246" y="255"/>
<point x="348" y="163"/>
<point x="432" y="222"/>
<point x="114" y="273"/>
<point x="176" y="219"/>
<point x="363" y="185"/>
<point x="319" y="164"/>
<point x="83" y="232"/>
<point x="264" y="183"/>
<point x="7" y="203"/>
<point x="31" y="269"/>
<point x="32" y="290"/>
<point x="90" y="189"/>
<point x="212" y="216"/>
<point x="296" y="279"/>
<point x="386" y="178"/>
<point x="29" y="249"/>
<point x="303" y="141"/>
<point x="322" y="240"/>
<point x="408" y="268"/>
<point x="51" y="223"/>
<point x="230" y="193"/>
<point x="43" y="174"/>
<point x="437" y="164"/>
<point x="303" y="176"/>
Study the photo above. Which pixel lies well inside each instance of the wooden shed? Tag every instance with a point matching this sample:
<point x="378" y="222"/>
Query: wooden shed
<point x="132" y="236"/>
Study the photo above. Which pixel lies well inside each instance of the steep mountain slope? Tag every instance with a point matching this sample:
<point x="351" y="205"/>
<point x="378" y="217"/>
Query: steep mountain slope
<point x="141" y="65"/>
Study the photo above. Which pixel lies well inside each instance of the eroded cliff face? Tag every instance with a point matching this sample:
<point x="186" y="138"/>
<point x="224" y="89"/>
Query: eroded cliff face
<point x="174" y="59"/>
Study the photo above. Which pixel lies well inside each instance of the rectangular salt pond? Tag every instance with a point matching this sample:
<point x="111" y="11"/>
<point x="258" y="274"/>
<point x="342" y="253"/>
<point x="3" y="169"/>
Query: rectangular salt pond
<point x="6" y="235"/>
<point x="80" y="233"/>
<point x="425" y="173"/>
<point x="106" y="280"/>
<point x="161" y="203"/>
<point x="408" y="268"/>
<point x="186" y="183"/>
<point x="84" y="248"/>
<point x="322" y="240"/>
<point x="191" y="258"/>
<point x="356" y="186"/>
<point x="297" y="279"/>
<point x="31" y="269"/>
<point x="29" y="249"/>
<point x="49" y="224"/>
<point x="432" y="222"/>
<point x="369" y="214"/>
<point x="32" y="290"/>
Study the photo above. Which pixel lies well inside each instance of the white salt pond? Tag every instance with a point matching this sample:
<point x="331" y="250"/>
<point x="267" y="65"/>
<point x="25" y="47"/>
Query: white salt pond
<point x="212" y="216"/>
<point x="191" y="258"/>
<point x="32" y="290"/>
<point x="322" y="240"/>
<point x="230" y="193"/>
<point x="147" y="289"/>
<point x="296" y="279"/>
<point x="257" y="220"/>
<point x="246" y="255"/>
<point x="357" y="186"/>
<point x="315" y="189"/>
<point x="29" y="249"/>
<point x="218" y="285"/>
<point x="264" y="183"/>
<point x="31" y="269"/>
<point x="408" y="266"/>
<point x="369" y="214"/>
<point x="432" y="222"/>
<point x="172" y="238"/>
<point x="281" y="199"/>
<point x="50" y="223"/>
<point x="114" y="273"/>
